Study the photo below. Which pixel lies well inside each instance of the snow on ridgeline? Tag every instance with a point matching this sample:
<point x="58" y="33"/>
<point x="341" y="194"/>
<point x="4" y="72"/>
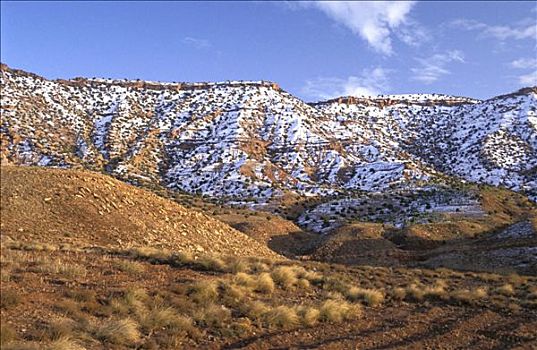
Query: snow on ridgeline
<point x="251" y="140"/>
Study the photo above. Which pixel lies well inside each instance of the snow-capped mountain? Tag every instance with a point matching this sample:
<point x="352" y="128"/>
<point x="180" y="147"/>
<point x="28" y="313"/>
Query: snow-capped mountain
<point x="245" y="140"/>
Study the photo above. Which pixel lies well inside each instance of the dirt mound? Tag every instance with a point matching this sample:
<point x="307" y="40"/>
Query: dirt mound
<point x="279" y="234"/>
<point x="85" y="208"/>
<point x="360" y="243"/>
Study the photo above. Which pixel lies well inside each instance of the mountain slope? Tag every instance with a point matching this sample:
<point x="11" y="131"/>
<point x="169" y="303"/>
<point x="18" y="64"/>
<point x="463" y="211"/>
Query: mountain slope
<point x="84" y="208"/>
<point x="253" y="141"/>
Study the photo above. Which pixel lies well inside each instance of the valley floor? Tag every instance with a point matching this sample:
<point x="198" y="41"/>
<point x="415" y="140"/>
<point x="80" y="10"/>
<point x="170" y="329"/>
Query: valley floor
<point x="64" y="297"/>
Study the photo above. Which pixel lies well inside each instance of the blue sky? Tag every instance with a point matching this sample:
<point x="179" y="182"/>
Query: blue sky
<point x="314" y="50"/>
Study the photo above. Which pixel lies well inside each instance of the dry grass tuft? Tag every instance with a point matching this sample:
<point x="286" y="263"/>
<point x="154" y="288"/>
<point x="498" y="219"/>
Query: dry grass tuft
<point x="211" y="263"/>
<point x="308" y="315"/>
<point x="118" y="331"/>
<point x="244" y="279"/>
<point x="338" y="310"/>
<point x="372" y="297"/>
<point x="65" y="343"/>
<point x="507" y="290"/>
<point x="214" y="316"/>
<point x="9" y="299"/>
<point x="7" y="334"/>
<point x="131" y="267"/>
<point x="469" y="296"/>
<point x="264" y="283"/>
<point x="282" y="316"/>
<point x="285" y="276"/>
<point x="203" y="292"/>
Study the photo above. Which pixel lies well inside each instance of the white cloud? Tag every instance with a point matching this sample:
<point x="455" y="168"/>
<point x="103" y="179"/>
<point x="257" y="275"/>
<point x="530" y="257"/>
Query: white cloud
<point x="371" y="82"/>
<point x="373" y="21"/>
<point x="197" y="42"/>
<point x="529" y="79"/>
<point x="517" y="32"/>
<point x="526" y="63"/>
<point x="435" y="66"/>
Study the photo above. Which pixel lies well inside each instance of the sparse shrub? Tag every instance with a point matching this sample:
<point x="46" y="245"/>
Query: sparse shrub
<point x="264" y="284"/>
<point x="338" y="310"/>
<point x="150" y="253"/>
<point x="81" y="295"/>
<point x="65" y="343"/>
<point x="9" y="299"/>
<point x="7" y="334"/>
<point x="231" y="295"/>
<point x="308" y="315"/>
<point x="181" y="259"/>
<point x="468" y="296"/>
<point x="204" y="292"/>
<point x="415" y="292"/>
<point x="372" y="297"/>
<point x="61" y="328"/>
<point x="210" y="263"/>
<point x="303" y="283"/>
<point x="131" y="267"/>
<point x="255" y="310"/>
<point x="282" y="316"/>
<point x="244" y="279"/>
<point x="118" y="331"/>
<point x="258" y="267"/>
<point x="213" y="315"/>
<point x="399" y="293"/>
<point x="158" y="317"/>
<point x="507" y="290"/>
<point x="236" y="265"/>
<point x="284" y="276"/>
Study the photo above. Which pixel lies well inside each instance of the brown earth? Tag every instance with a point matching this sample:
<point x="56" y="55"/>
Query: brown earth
<point x="43" y="298"/>
<point x="86" y="208"/>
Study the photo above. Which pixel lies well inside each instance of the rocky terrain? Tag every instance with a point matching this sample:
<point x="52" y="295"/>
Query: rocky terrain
<point x="83" y="209"/>
<point x="252" y="142"/>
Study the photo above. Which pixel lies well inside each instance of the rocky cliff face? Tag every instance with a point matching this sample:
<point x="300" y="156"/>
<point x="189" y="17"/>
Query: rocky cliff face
<point x="254" y="141"/>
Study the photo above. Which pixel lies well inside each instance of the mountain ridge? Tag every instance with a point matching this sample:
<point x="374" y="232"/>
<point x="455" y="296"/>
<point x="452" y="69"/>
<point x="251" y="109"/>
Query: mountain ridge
<point x="252" y="141"/>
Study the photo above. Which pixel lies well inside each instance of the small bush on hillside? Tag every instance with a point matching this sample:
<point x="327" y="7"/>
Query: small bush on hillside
<point x="507" y="290"/>
<point x="282" y="316"/>
<point x="284" y="276"/>
<point x="372" y="297"/>
<point x="9" y="299"/>
<point x="131" y="267"/>
<point x="338" y="310"/>
<point x="118" y="331"/>
<point x="264" y="284"/>
<point x="203" y="292"/>
<point x="308" y="315"/>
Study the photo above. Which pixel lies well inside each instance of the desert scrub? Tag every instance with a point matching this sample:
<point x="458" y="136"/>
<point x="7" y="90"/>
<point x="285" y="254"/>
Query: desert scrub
<point x="507" y="290"/>
<point x="149" y="253"/>
<point x="213" y="315"/>
<point x="284" y="276"/>
<point x="118" y="331"/>
<point x="65" y="343"/>
<point x="130" y="267"/>
<point x="338" y="310"/>
<point x="264" y="283"/>
<point x="203" y="292"/>
<point x="282" y="316"/>
<point x="7" y="334"/>
<point x="469" y="296"/>
<point x="9" y="299"/>
<point x="211" y="263"/>
<point x="160" y="317"/>
<point x="372" y="297"/>
<point x="308" y="315"/>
